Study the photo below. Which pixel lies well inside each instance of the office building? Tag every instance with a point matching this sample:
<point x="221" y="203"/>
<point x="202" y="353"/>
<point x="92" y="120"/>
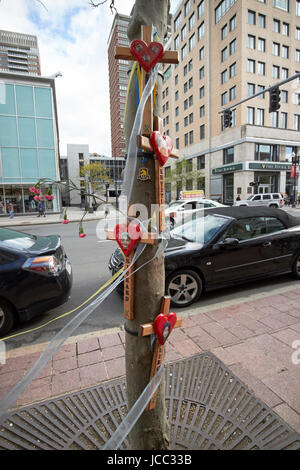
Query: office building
<point x="228" y="51"/>
<point x="118" y="81"/>
<point x="19" y="53"/>
<point x="28" y="141"/>
<point x="78" y="156"/>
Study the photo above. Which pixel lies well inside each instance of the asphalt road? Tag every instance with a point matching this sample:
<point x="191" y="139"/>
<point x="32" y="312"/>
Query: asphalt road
<point x="89" y="258"/>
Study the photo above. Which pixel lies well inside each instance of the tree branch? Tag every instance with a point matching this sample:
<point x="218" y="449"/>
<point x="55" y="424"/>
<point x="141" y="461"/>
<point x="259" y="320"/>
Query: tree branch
<point x="112" y="4"/>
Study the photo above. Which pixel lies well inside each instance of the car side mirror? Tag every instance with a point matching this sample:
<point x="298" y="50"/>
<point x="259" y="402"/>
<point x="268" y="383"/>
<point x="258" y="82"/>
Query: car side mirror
<point x="229" y="242"/>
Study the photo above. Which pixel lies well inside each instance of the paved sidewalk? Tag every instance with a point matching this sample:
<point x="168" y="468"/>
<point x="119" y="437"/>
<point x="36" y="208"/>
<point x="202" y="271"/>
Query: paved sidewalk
<point x="74" y="214"/>
<point x="253" y="338"/>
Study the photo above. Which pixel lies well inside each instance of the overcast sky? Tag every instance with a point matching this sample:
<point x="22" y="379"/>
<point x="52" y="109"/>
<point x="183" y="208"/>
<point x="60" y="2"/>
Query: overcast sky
<point x="72" y="38"/>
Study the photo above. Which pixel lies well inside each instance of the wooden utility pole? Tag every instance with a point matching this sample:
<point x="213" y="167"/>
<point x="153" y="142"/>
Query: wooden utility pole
<point x="152" y="430"/>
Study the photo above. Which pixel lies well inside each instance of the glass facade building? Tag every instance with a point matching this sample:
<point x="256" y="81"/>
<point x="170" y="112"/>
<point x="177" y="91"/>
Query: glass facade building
<point x="28" y="141"/>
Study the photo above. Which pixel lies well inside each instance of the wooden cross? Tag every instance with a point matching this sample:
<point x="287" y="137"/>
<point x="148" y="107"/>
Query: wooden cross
<point x="146" y="238"/>
<point x="146" y="330"/>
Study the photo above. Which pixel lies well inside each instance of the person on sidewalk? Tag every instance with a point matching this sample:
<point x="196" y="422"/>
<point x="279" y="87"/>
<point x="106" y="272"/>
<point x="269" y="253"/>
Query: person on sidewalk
<point x="41" y="209"/>
<point x="10" y="208"/>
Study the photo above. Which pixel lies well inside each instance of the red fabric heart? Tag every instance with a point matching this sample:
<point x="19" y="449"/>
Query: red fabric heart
<point x="162" y="146"/>
<point x="127" y="236"/>
<point x="147" y="55"/>
<point x="163" y="325"/>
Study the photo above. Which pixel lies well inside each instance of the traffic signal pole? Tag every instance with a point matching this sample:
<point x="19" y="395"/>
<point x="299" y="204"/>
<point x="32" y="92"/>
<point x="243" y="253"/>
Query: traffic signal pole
<point x="276" y="85"/>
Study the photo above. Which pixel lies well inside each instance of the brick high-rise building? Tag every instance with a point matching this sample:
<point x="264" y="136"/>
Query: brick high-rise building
<point x="229" y="50"/>
<point x="19" y="53"/>
<point x="118" y="81"/>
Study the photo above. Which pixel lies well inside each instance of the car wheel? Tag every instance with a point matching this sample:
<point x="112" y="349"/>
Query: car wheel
<point x="184" y="287"/>
<point x="6" y="317"/>
<point x="274" y="206"/>
<point x="296" y="267"/>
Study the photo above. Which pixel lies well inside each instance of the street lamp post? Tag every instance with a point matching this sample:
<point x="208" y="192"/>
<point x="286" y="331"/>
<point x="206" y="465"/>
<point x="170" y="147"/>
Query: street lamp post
<point x="295" y="163"/>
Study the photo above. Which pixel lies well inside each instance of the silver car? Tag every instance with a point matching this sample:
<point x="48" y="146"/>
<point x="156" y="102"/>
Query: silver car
<point x="267" y="199"/>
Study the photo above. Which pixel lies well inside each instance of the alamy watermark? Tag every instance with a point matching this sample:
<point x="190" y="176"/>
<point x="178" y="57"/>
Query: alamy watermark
<point x="2" y="353"/>
<point x="296" y="354"/>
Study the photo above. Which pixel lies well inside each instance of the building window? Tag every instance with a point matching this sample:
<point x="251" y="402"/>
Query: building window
<point x="200" y="9"/>
<point x="186" y="139"/>
<point x="191" y="22"/>
<point x="202" y="132"/>
<point x="228" y="155"/>
<point x="201" y="53"/>
<point x="185" y="104"/>
<point x="251" y="89"/>
<point x="261" y="68"/>
<point x="177" y="21"/>
<point x="201" y="162"/>
<point x="261" y="45"/>
<point x="297" y="122"/>
<point x="285" y="52"/>
<point x="176" y="111"/>
<point x="202" y="92"/>
<point x="276" y="26"/>
<point x="297" y="33"/>
<point x="191" y="137"/>
<point x="232" y="70"/>
<point x="224" y="99"/>
<point x="282" y="4"/>
<point x="224" y="54"/>
<point x="259" y="89"/>
<point x="222" y="9"/>
<point x="275" y="119"/>
<point x="183" y="33"/>
<point x="251" y="66"/>
<point x="192" y="42"/>
<point x="232" y="93"/>
<point x="284" y="96"/>
<point x="232" y="47"/>
<point x="266" y="153"/>
<point x="183" y="52"/>
<point x="283" y="120"/>
<point x="297" y="7"/>
<point x="224" y="76"/>
<point x="201" y="31"/>
<point x="177" y="143"/>
<point x="251" y="41"/>
<point x="261" y="20"/>
<point x="251" y="17"/>
<point x="260" y="117"/>
<point x="250" y="115"/>
<point x="201" y="73"/>
<point x="176" y="42"/>
<point x="191" y="100"/>
<point x="202" y="111"/>
<point x="275" y="71"/>
<point x="224" y="32"/>
<point x="284" y="73"/>
<point x="190" y="65"/>
<point x="285" y="29"/>
<point x="187" y="7"/>
<point x="276" y="49"/>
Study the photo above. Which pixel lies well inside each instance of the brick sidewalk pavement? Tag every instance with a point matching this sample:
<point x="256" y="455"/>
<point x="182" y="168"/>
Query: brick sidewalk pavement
<point x="253" y="338"/>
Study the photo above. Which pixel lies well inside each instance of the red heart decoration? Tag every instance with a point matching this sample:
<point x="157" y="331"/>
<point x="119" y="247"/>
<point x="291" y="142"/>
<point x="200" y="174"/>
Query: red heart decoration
<point x="147" y="55"/>
<point x="162" y="146"/>
<point x="163" y="325"/>
<point x="127" y="236"/>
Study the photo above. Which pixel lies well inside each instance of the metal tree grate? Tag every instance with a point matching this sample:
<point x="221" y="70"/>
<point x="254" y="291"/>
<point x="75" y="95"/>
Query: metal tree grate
<point x="208" y="407"/>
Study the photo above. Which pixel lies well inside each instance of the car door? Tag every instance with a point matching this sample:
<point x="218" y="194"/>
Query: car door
<point x="281" y="244"/>
<point x="251" y="257"/>
<point x="256" y="200"/>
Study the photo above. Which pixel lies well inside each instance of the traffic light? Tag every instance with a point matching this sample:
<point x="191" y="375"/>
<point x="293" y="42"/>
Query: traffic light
<point x="227" y="118"/>
<point x="274" y="99"/>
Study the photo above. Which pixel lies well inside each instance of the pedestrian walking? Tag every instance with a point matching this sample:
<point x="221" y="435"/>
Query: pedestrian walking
<point x="41" y="209"/>
<point x="10" y="208"/>
<point x="238" y="198"/>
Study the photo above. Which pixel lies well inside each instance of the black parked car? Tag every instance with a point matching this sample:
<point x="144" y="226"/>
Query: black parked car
<point x="35" y="276"/>
<point x="224" y="246"/>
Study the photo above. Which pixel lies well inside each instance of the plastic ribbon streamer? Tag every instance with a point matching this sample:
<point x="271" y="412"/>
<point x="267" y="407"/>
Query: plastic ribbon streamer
<point x="135" y="412"/>
<point x="131" y="161"/>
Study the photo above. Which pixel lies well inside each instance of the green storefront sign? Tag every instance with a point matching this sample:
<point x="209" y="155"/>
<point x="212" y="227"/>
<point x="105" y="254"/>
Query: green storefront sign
<point x="228" y="169"/>
<point x="269" y="166"/>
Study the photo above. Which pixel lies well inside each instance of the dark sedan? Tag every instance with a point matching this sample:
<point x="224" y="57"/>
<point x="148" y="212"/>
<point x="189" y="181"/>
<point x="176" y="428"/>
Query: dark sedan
<point x="35" y="276"/>
<point x="225" y="246"/>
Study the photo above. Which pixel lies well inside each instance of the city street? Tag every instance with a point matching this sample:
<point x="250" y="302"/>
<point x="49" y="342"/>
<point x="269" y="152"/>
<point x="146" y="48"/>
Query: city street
<point x="89" y="258"/>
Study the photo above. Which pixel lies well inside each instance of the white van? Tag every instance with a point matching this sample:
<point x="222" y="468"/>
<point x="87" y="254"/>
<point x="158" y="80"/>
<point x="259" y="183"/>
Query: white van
<point x="267" y="199"/>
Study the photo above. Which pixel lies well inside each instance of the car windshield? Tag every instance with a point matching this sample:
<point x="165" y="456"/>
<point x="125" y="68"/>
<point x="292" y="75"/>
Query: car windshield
<point x="175" y="204"/>
<point x="200" y="229"/>
<point x="18" y="240"/>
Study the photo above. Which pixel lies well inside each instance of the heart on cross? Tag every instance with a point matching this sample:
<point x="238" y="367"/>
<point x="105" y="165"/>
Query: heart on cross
<point x="147" y="55"/>
<point x="163" y="325"/>
<point x="162" y="146"/>
<point x="127" y="236"/>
